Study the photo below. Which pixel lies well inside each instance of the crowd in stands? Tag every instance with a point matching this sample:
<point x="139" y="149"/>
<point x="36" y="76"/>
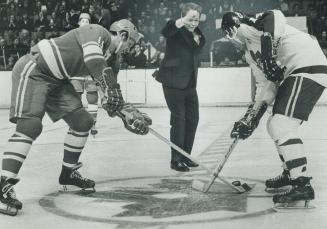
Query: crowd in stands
<point x="25" y="22"/>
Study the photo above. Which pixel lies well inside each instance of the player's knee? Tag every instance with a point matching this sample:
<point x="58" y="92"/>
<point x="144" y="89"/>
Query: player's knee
<point x="92" y="97"/>
<point x="79" y="120"/>
<point x="281" y="127"/>
<point x="29" y="127"/>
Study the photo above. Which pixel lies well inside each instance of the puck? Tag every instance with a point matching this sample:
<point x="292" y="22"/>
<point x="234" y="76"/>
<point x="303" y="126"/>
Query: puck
<point x="236" y="183"/>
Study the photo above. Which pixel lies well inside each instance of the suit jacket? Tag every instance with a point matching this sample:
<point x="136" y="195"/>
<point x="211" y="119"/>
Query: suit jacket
<point x="181" y="59"/>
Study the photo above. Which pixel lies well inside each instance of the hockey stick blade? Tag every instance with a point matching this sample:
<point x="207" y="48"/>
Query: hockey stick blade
<point x="206" y="186"/>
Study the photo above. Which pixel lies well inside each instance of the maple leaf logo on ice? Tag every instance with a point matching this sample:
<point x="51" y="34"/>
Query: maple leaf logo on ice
<point x="171" y="198"/>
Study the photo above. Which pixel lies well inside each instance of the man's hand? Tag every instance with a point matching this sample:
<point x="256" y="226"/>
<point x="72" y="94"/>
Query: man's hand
<point x="245" y="126"/>
<point x="243" y="129"/>
<point x="134" y="120"/>
<point x="231" y="33"/>
<point x="113" y="100"/>
<point x="272" y="70"/>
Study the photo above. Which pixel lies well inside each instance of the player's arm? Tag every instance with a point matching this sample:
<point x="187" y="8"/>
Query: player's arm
<point x="92" y="39"/>
<point x="266" y="93"/>
<point x="273" y="24"/>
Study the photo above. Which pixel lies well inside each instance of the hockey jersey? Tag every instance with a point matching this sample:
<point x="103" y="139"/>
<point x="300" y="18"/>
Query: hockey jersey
<point x="299" y="52"/>
<point x="79" y="52"/>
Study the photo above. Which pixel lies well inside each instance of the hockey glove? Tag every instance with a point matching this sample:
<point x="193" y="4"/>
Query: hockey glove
<point x="134" y="120"/>
<point x="273" y="71"/>
<point x="243" y="129"/>
<point x="112" y="100"/>
<point x="245" y="126"/>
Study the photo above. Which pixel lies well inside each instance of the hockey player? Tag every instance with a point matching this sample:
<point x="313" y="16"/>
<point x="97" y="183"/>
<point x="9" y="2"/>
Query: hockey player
<point x="41" y="84"/>
<point x="296" y="72"/>
<point x="81" y="83"/>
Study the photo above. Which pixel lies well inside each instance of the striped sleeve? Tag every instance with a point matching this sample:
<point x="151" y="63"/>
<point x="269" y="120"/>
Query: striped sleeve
<point x="92" y="39"/>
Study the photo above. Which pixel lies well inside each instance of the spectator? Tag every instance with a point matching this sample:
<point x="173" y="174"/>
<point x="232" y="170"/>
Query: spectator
<point x="4" y="53"/>
<point x="103" y="18"/>
<point x="25" y="36"/>
<point x="25" y="22"/>
<point x="312" y="21"/>
<point x="17" y="49"/>
<point x="136" y="59"/>
<point x="156" y="61"/>
<point x="160" y="45"/>
<point x="296" y="9"/>
<point x="224" y="52"/>
<point x="12" y="26"/>
<point x="11" y="63"/>
<point x="283" y="6"/>
<point x="11" y="9"/>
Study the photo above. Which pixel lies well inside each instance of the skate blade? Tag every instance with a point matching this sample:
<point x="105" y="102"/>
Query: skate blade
<point x="76" y="190"/>
<point x="7" y="210"/>
<point x="297" y="205"/>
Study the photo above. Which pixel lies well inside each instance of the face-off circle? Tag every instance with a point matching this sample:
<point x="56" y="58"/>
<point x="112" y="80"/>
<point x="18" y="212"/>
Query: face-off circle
<point x="148" y="201"/>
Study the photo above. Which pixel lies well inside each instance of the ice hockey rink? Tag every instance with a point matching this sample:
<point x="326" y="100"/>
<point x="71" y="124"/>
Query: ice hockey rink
<point x="136" y="189"/>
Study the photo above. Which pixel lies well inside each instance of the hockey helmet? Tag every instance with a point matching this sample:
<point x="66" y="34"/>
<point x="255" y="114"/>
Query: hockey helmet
<point x="231" y="19"/>
<point x="125" y="25"/>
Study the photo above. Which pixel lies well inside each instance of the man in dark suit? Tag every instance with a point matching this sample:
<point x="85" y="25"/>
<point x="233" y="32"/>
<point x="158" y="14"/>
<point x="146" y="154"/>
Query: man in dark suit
<point x="178" y="75"/>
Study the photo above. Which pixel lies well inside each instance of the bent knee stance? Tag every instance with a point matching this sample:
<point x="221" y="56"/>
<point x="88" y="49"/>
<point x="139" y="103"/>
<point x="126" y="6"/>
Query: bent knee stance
<point x="29" y="127"/>
<point x="19" y="144"/>
<point x="282" y="128"/>
<point x="79" y="120"/>
<point x="285" y="132"/>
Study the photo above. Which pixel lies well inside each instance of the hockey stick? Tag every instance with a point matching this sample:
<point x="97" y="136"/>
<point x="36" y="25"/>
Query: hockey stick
<point x="239" y="189"/>
<point x="206" y="186"/>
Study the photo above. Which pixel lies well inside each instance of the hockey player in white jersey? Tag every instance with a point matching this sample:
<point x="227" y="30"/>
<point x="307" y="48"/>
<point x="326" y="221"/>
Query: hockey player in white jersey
<point x="295" y="75"/>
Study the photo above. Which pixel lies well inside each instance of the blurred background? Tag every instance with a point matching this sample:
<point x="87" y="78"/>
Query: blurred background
<point x="24" y="22"/>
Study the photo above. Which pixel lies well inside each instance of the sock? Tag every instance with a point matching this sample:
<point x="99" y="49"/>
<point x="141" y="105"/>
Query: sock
<point x="15" y="153"/>
<point x="93" y="110"/>
<point x="295" y="161"/>
<point x="73" y="146"/>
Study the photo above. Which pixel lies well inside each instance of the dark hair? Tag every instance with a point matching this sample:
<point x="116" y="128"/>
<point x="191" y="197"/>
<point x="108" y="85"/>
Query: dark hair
<point x="190" y="6"/>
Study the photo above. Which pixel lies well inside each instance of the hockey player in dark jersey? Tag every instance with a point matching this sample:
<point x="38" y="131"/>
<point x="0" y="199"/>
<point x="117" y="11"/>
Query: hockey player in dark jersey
<point x="88" y="84"/>
<point x="295" y="69"/>
<point x="41" y="84"/>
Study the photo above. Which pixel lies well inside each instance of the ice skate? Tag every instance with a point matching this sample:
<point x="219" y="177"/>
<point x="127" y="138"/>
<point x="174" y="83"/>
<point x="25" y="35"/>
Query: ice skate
<point x="293" y="199"/>
<point x="9" y="204"/>
<point x="278" y="184"/>
<point x="72" y="180"/>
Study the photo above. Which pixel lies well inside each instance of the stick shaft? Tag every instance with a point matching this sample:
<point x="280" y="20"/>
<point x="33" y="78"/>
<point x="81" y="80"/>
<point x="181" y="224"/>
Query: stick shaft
<point x="185" y="154"/>
<point x="228" y="153"/>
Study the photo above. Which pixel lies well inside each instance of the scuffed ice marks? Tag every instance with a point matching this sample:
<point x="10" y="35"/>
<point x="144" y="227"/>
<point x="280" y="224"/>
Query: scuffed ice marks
<point x="170" y="198"/>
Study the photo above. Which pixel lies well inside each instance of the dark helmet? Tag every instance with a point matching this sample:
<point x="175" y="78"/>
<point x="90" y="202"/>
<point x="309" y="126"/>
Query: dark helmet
<point x="231" y="19"/>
